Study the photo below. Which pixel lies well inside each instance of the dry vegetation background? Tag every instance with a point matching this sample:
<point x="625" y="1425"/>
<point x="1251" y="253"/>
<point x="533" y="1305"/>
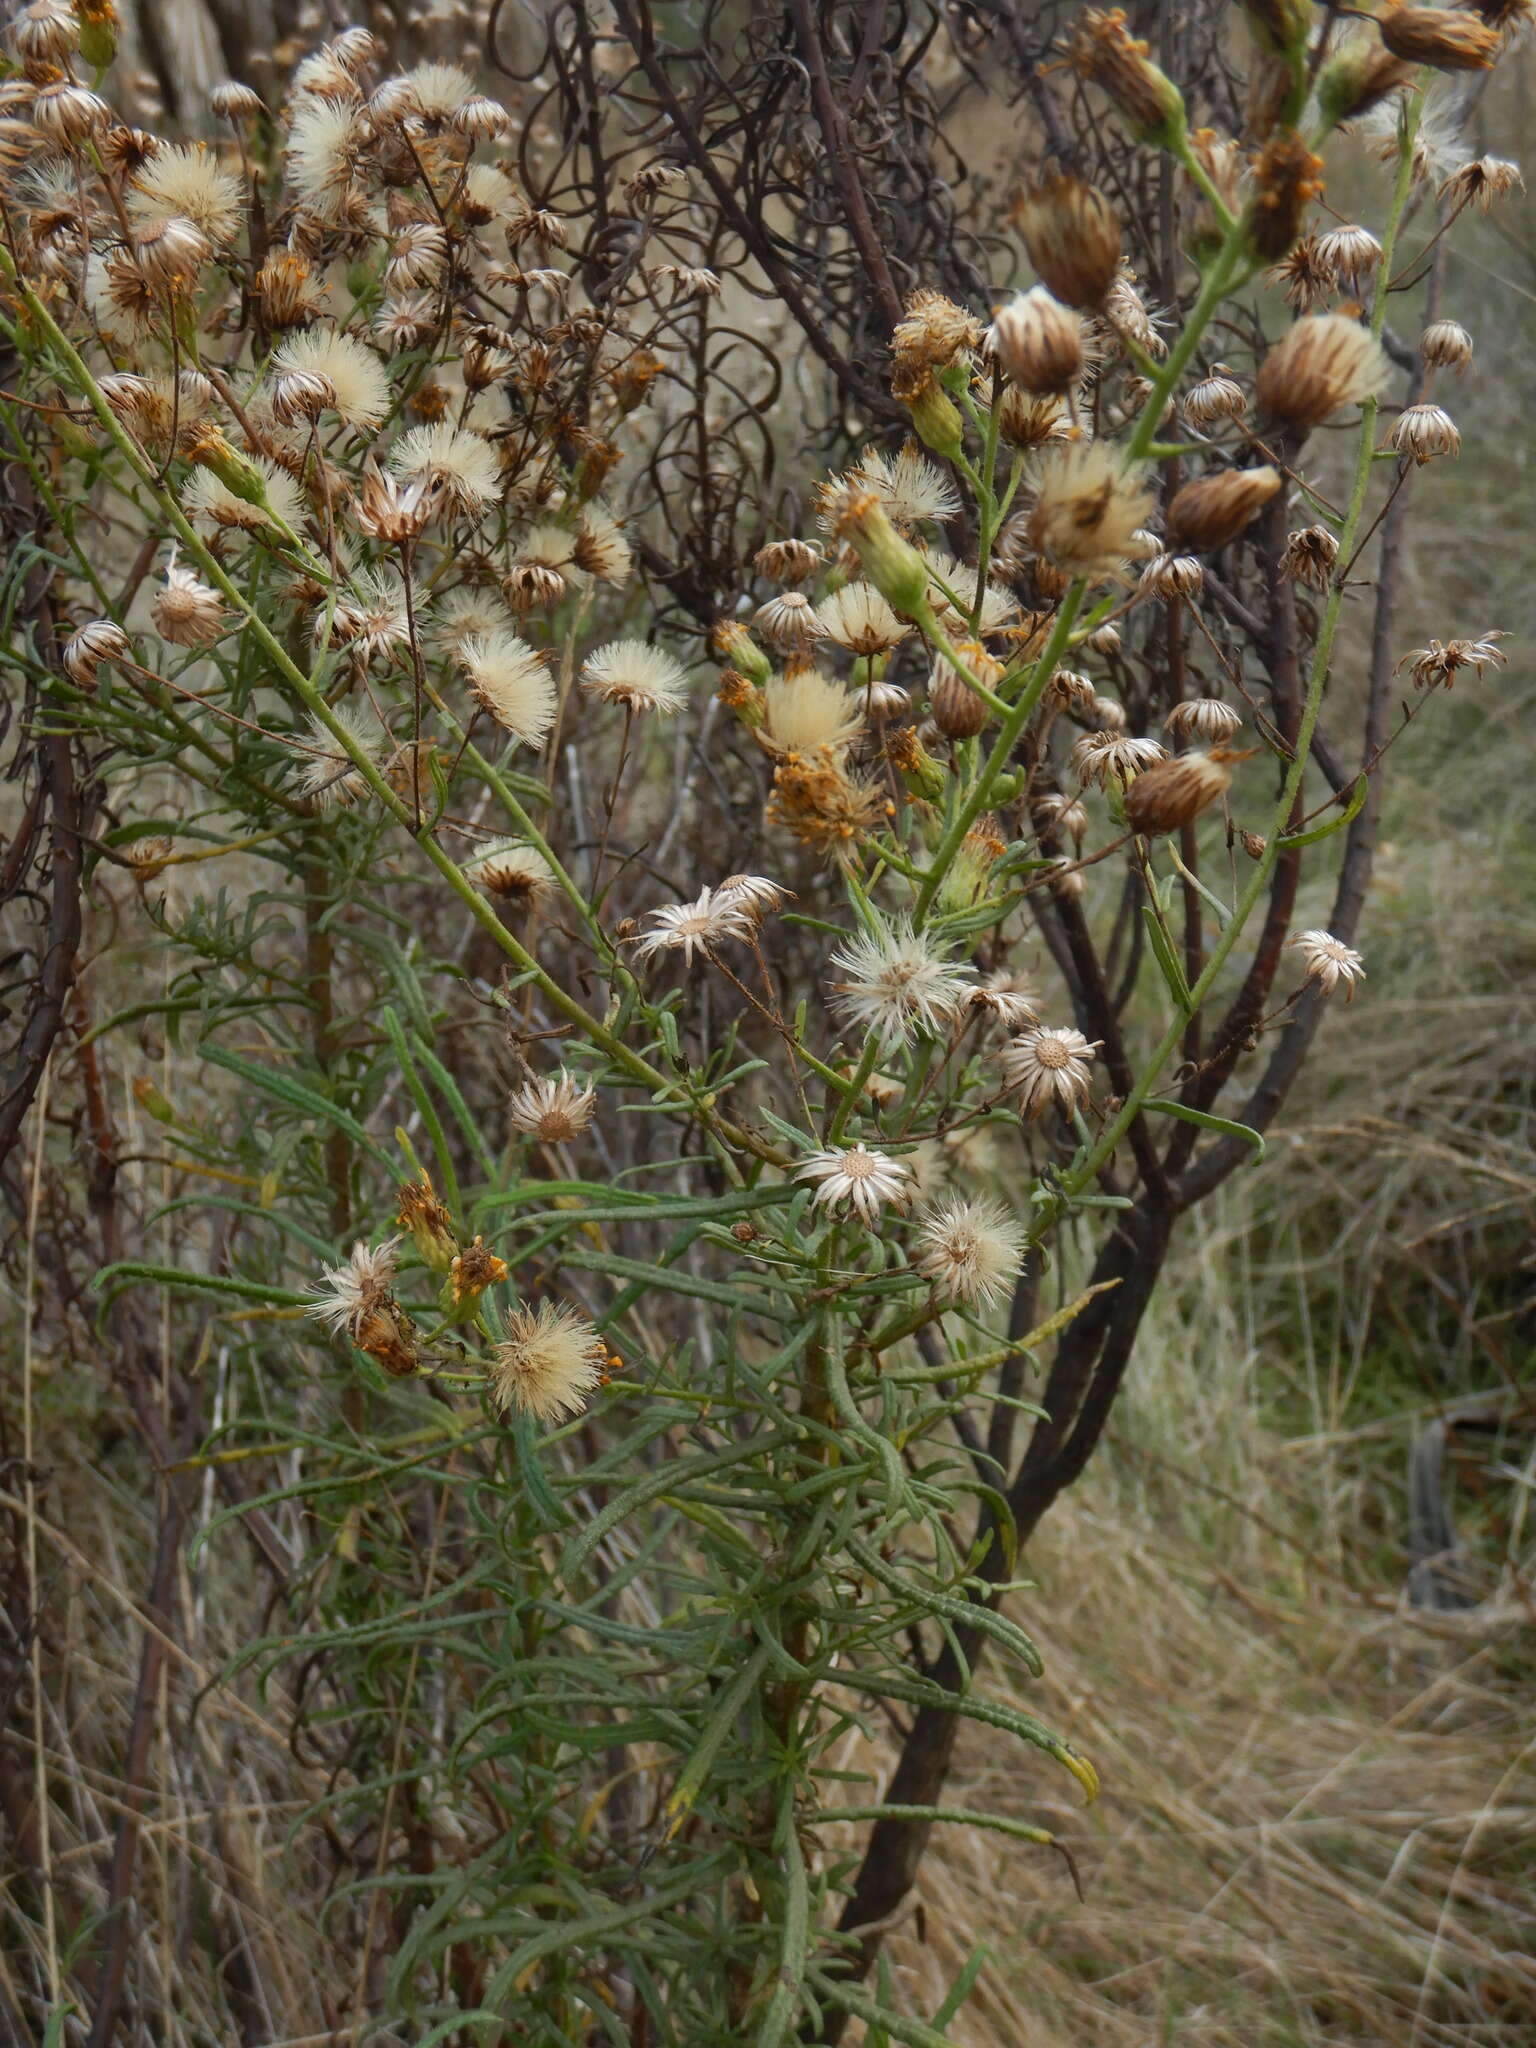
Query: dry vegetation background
<point x="1319" y="1815"/>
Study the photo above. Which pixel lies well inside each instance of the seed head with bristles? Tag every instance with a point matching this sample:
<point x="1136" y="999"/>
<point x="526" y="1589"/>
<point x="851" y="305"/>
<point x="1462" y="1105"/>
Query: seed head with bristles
<point x="971" y="1250"/>
<point x="549" y="1363"/>
<point x="891" y="982"/>
<point x="1318" y="365"/>
<point x="1090" y="508"/>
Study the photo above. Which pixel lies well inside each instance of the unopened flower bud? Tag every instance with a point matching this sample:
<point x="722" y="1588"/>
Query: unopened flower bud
<point x="419" y="1211"/>
<point x="733" y="643"/>
<point x="1213" y="510"/>
<point x="98" y="32"/>
<point x="892" y="564"/>
<point x="923" y="776"/>
<point x="740" y="694"/>
<point x="935" y="416"/>
<point x="1359" y="75"/>
<point x="1105" y="51"/>
<point x="1449" y="40"/>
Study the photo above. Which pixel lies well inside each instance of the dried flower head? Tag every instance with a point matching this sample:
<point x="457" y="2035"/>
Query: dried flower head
<point x="910" y="488"/>
<point x="1319" y="364"/>
<point x="858" y="618"/>
<point x="1090" y="508"/>
<point x="637" y="675"/>
<point x="516" y="873"/>
<point x="804" y="711"/>
<point x="549" y="1363"/>
<point x="354" y="377"/>
<point x="1211" y="511"/>
<point x="1422" y="432"/>
<point x="553" y="1110"/>
<point x="1045" y="1066"/>
<point x="1311" y="556"/>
<point x="789" y="621"/>
<point x="187" y="611"/>
<point x="1352" y="254"/>
<point x="1445" y="345"/>
<point x="1172" y="576"/>
<point x="1306" y="282"/>
<point x="855" y="1177"/>
<point x="1328" y="961"/>
<point x="1059" y="816"/>
<point x="703" y="924"/>
<point x="1482" y="181"/>
<point x="356" y="1299"/>
<point x="756" y="896"/>
<point x="1104" y="757"/>
<point x="187" y="181"/>
<point x="457" y="464"/>
<point x="1072" y="237"/>
<point x="1038" y="342"/>
<point x="892" y="982"/>
<point x="1173" y="793"/>
<point x="86" y="650"/>
<point x="512" y="683"/>
<point x="933" y="331"/>
<point x="1438" y="665"/>
<point x="1203" y="718"/>
<point x="787" y="561"/>
<point x="1217" y="396"/>
<point x="971" y="1250"/>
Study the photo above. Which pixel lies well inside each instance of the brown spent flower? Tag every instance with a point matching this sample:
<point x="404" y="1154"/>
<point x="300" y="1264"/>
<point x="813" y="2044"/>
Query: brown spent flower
<point x="1310" y="557"/>
<point x="1359" y="75"/>
<point x="1211" y="511"/>
<point x="1286" y="178"/>
<point x="1104" y="51"/>
<point x="1437" y="36"/>
<point x="1072" y="236"/>
<point x="1173" y="793"/>
<point x="419" y="1211"/>
<point x="1321" y="363"/>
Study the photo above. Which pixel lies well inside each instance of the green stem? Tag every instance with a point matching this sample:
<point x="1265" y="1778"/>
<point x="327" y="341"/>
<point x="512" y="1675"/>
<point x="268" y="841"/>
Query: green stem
<point x="1322" y="658"/>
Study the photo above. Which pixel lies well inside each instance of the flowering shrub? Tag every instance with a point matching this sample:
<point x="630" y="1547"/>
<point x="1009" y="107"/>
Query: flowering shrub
<point x="673" y="1100"/>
